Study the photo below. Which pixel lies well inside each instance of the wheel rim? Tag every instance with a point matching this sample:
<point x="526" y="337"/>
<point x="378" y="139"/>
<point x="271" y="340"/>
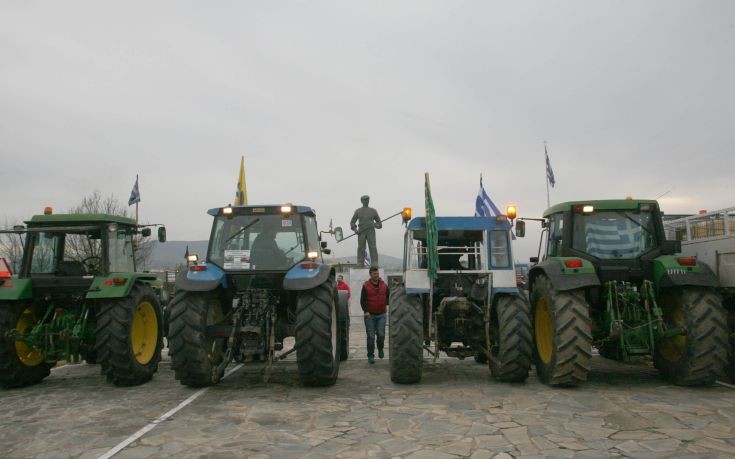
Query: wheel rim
<point x="144" y="334"/>
<point x="543" y="330"/>
<point x="673" y="348"/>
<point x="28" y="355"/>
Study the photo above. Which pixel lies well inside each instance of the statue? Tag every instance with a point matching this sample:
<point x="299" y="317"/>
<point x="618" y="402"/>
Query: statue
<point x="369" y="221"/>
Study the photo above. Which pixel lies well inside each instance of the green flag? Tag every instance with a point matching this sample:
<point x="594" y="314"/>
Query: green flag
<point x="432" y="257"/>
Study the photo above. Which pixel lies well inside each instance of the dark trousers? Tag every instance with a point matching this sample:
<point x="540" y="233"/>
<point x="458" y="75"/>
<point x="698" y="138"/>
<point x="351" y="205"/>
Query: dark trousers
<point x="375" y="327"/>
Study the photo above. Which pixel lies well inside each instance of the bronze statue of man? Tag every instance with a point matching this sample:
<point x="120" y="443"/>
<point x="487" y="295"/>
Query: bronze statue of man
<point x="368" y="221"/>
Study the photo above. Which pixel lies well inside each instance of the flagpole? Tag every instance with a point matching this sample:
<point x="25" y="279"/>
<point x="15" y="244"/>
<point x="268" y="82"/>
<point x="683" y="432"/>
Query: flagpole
<point x="546" y="174"/>
<point x="136" y="213"/>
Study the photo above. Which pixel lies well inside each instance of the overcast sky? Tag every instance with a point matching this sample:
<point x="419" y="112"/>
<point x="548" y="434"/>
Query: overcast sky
<point x="328" y="101"/>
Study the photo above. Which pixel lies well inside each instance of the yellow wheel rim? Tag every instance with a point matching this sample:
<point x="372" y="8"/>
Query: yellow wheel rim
<point x="544" y="331"/>
<point x="672" y="349"/>
<point x="144" y="333"/>
<point x="29" y="356"/>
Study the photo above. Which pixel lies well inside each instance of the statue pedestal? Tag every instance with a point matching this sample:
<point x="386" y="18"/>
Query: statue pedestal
<point x="357" y="277"/>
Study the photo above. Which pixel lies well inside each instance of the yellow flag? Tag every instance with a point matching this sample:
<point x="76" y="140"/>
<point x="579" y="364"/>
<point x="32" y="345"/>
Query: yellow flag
<point x="241" y="196"/>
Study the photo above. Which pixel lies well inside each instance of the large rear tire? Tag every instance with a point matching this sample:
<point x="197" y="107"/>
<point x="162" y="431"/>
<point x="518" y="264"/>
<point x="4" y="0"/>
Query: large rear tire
<point x="699" y="357"/>
<point x="194" y="355"/>
<point x="405" y="328"/>
<point x="562" y="337"/>
<point x="20" y="364"/>
<point x="129" y="337"/>
<point x="512" y="348"/>
<point x="318" y="335"/>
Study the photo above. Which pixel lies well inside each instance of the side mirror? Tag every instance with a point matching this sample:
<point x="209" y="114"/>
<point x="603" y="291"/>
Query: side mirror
<point x="670" y="247"/>
<point x="145" y="232"/>
<point x="326" y="251"/>
<point x="520" y="228"/>
<point x="161" y="234"/>
<point x="533" y="260"/>
<point x="338" y="235"/>
<point x="324" y="245"/>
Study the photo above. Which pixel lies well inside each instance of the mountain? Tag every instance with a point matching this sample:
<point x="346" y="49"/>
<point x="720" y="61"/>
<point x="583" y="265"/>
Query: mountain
<point x="170" y="254"/>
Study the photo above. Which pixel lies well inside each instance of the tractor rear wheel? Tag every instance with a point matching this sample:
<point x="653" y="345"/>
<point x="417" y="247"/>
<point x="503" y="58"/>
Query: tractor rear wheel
<point x="128" y="337"/>
<point x="699" y="356"/>
<point x="20" y="364"/>
<point x="512" y="344"/>
<point x="405" y="330"/>
<point x="344" y="323"/>
<point x="563" y="341"/>
<point x="194" y="355"/>
<point x="318" y="335"/>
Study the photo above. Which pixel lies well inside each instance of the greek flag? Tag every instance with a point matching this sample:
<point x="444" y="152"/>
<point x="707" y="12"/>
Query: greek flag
<point x="549" y="171"/>
<point x="614" y="239"/>
<point x="366" y="259"/>
<point x="484" y="206"/>
<point x="135" y="193"/>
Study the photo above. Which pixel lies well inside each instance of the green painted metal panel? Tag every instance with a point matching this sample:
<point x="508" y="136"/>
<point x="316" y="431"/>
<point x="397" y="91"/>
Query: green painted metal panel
<point x="56" y="219"/>
<point x="15" y="289"/>
<point x="105" y="287"/>
<point x="586" y="268"/>
<point x="668" y="264"/>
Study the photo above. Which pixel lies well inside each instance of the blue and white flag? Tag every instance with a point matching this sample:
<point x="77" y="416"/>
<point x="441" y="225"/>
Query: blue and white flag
<point x="135" y="194"/>
<point x="484" y="207"/>
<point x="549" y="171"/>
<point x="366" y="259"/>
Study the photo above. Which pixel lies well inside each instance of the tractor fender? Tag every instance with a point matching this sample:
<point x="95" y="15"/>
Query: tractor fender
<point x="15" y="289"/>
<point x="211" y="277"/>
<point x="116" y="285"/>
<point x="305" y="278"/>
<point x="563" y="278"/>
<point x="668" y="273"/>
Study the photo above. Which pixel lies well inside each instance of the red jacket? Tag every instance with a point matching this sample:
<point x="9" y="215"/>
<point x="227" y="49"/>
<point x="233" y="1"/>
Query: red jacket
<point x="374" y="298"/>
<point x="342" y="285"/>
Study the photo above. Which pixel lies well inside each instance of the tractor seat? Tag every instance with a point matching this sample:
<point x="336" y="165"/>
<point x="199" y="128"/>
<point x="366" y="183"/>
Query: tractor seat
<point x="71" y="268"/>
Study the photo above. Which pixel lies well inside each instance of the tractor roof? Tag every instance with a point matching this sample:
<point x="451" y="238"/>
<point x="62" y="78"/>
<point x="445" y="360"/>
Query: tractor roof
<point x="262" y="209"/>
<point x="600" y="204"/>
<point x="460" y="223"/>
<point x="77" y="219"/>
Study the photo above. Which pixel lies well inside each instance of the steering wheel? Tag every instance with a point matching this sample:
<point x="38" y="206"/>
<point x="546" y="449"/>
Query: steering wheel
<point x="92" y="264"/>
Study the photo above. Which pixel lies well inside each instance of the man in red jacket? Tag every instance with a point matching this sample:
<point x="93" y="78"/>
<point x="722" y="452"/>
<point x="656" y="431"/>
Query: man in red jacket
<point x="342" y="285"/>
<point x="374" y="302"/>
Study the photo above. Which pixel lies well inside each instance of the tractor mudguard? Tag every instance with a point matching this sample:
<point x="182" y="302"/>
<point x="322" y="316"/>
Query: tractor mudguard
<point x="116" y="285"/>
<point x="15" y="289"/>
<point x="668" y="272"/>
<point x="563" y="278"/>
<point x="301" y="278"/>
<point x="201" y="281"/>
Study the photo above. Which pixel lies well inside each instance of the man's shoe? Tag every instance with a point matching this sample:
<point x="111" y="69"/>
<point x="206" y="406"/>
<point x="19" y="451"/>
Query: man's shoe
<point x="371" y="359"/>
<point x="381" y="354"/>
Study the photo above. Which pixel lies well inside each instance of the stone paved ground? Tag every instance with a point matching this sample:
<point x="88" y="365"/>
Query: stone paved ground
<point x="456" y="411"/>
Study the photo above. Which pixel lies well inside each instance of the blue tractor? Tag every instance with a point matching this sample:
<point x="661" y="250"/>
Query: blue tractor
<point x="473" y="307"/>
<point x="263" y="281"/>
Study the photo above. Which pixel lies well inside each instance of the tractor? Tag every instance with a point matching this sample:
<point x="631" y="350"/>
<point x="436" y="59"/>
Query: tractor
<point x="472" y="306"/>
<point x="608" y="278"/>
<point x="78" y="296"/>
<point x="263" y="280"/>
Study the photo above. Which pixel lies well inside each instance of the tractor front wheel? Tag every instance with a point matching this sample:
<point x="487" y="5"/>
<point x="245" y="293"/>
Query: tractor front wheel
<point x="511" y="349"/>
<point x="21" y="364"/>
<point x="405" y="329"/>
<point x="562" y="334"/>
<point x="344" y="323"/>
<point x="128" y="337"/>
<point x="699" y="355"/>
<point x="194" y="355"/>
<point x="318" y="335"/>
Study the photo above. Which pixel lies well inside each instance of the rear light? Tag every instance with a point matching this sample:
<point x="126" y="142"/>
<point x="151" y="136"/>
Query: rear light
<point x="309" y="265"/>
<point x="687" y="261"/>
<point x="4" y="269"/>
<point x="8" y="284"/>
<point x="573" y="263"/>
<point x="197" y="268"/>
<point x="119" y="280"/>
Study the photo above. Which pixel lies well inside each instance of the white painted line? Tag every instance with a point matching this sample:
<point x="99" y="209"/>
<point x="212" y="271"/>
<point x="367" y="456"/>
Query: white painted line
<point x="725" y="384"/>
<point x="125" y="443"/>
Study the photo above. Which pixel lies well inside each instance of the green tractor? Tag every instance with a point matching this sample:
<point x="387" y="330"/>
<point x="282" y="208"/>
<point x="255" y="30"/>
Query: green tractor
<point x="608" y="278"/>
<point x="78" y="296"/>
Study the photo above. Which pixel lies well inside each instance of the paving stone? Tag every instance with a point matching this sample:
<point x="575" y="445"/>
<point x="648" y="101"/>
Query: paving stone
<point x="716" y="444"/>
<point x="668" y="444"/>
<point x="637" y="435"/>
